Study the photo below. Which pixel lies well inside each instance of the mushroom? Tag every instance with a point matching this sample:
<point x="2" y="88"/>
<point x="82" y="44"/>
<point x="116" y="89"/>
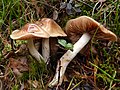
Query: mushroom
<point x="53" y="29"/>
<point x="29" y="32"/>
<point x="86" y="28"/>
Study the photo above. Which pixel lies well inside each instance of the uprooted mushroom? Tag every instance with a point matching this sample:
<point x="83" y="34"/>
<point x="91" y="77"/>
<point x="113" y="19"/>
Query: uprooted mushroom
<point x="80" y="31"/>
<point x="30" y="32"/>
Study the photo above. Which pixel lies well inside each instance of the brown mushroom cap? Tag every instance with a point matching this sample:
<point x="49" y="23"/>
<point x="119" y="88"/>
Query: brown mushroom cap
<point x="29" y="31"/>
<point x="51" y="27"/>
<point x="84" y="24"/>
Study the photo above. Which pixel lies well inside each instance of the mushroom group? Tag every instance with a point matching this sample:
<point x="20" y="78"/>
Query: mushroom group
<point x="42" y="29"/>
<point x="80" y="31"/>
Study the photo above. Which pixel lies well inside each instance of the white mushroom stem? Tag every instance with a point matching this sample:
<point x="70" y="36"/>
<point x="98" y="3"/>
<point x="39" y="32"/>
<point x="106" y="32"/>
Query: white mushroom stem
<point x="45" y="48"/>
<point x="66" y="58"/>
<point x="33" y="51"/>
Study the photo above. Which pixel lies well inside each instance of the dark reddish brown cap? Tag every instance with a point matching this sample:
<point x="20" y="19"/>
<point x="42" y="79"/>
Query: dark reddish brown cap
<point x="84" y="24"/>
<point x="51" y="27"/>
<point x="28" y="31"/>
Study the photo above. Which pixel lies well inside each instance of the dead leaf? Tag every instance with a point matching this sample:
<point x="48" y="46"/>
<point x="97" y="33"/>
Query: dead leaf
<point x="23" y="50"/>
<point x="18" y="66"/>
<point x="17" y="72"/>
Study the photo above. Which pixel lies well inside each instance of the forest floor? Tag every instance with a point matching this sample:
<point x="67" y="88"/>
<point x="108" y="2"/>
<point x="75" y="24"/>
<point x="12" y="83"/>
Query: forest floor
<point x="98" y="69"/>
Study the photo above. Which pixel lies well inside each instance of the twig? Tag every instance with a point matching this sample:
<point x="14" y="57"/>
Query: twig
<point x="84" y="3"/>
<point x="95" y="7"/>
<point x="44" y="3"/>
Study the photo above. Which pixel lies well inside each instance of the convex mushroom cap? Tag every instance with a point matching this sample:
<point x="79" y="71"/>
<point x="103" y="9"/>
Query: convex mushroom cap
<point x="29" y="32"/>
<point x="84" y="24"/>
<point x="53" y="29"/>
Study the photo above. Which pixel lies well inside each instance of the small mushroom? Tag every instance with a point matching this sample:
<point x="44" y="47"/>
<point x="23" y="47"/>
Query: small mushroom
<point x="86" y="28"/>
<point x="53" y="29"/>
<point x="29" y="32"/>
